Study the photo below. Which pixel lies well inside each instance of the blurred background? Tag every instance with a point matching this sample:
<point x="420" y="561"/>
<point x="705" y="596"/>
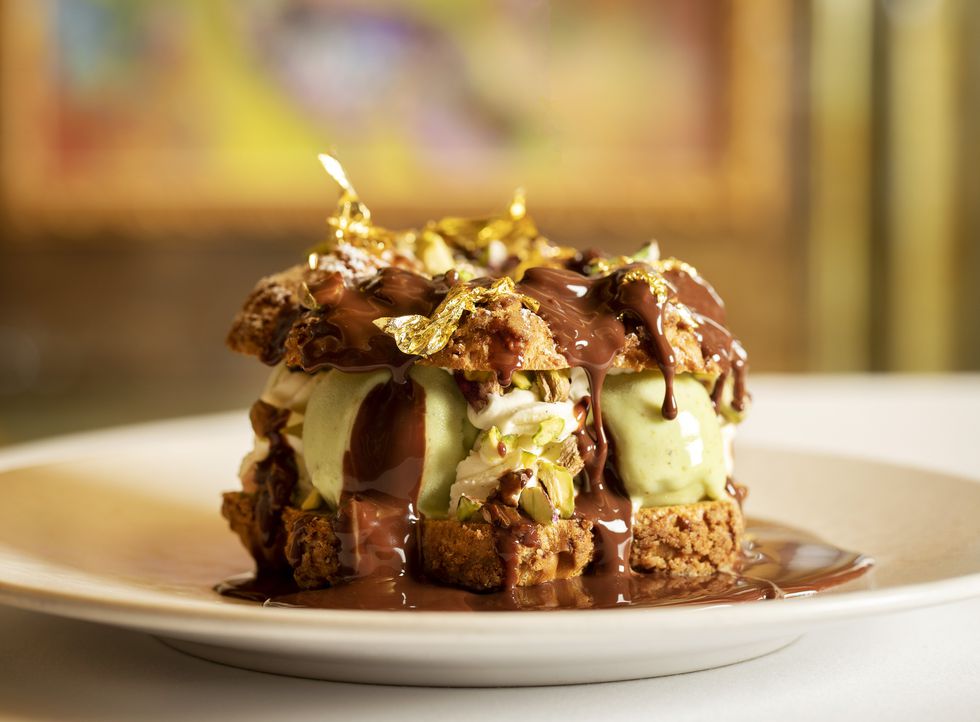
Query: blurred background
<point x="817" y="160"/>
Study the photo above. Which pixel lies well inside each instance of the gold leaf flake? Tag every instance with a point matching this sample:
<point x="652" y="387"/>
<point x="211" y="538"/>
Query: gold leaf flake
<point x="426" y="335"/>
<point x="658" y="284"/>
<point x="351" y="221"/>
<point x="507" y="242"/>
<point x="675" y="264"/>
<point x="605" y="266"/>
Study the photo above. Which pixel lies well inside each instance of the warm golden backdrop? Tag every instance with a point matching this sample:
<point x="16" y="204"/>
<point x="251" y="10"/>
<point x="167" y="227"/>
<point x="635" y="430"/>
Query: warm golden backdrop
<point x="816" y="160"/>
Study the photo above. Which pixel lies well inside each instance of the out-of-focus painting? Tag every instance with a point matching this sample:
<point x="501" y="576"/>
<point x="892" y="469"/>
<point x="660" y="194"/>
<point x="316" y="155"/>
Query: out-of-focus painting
<point x="220" y="105"/>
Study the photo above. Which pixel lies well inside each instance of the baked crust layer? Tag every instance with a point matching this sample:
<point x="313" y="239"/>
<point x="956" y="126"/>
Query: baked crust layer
<point x="312" y="548"/>
<point x="239" y="509"/>
<point x="262" y="327"/>
<point x="689" y="540"/>
<point x="465" y="554"/>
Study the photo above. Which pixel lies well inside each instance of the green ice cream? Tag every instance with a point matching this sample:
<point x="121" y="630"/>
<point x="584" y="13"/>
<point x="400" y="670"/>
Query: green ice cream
<point x="332" y="410"/>
<point x="662" y="462"/>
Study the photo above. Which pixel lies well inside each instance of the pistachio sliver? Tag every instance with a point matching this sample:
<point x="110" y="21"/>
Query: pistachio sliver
<point x="548" y="430"/>
<point x="557" y="481"/>
<point x="467" y="509"/>
<point x="536" y="504"/>
<point x="492" y="446"/>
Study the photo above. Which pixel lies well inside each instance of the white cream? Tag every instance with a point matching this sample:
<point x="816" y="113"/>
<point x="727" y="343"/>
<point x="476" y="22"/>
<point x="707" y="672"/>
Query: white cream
<point x="287" y="389"/>
<point x="291" y="390"/>
<point x="521" y="412"/>
<point x="515" y="413"/>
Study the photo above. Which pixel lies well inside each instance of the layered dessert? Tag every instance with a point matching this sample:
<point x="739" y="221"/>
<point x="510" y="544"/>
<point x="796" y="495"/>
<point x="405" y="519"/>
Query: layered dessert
<point x="469" y="405"/>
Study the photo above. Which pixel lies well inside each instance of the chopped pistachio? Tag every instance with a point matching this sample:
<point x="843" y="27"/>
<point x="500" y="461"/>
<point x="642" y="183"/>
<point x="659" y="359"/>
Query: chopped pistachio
<point x="548" y="430"/>
<point x="568" y="456"/>
<point x="467" y="509"/>
<point x="557" y="481"/>
<point x="528" y="460"/>
<point x="490" y="446"/>
<point x="521" y="380"/>
<point x="649" y="253"/>
<point x="553" y="385"/>
<point x="435" y="253"/>
<point x="535" y="503"/>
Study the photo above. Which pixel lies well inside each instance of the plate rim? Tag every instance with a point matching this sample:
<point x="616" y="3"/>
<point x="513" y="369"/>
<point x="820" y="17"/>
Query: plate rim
<point x="163" y="613"/>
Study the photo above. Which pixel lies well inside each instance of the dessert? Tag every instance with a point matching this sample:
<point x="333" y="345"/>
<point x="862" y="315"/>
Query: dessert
<point x="468" y="406"/>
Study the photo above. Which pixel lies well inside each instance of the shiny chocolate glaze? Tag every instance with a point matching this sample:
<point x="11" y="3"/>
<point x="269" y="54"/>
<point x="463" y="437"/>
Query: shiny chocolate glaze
<point x="590" y="318"/>
<point x="377" y="518"/>
<point x="341" y="334"/>
<point x="778" y="562"/>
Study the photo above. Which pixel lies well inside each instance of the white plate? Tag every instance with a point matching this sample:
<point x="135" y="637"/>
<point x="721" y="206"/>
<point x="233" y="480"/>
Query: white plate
<point x="122" y="527"/>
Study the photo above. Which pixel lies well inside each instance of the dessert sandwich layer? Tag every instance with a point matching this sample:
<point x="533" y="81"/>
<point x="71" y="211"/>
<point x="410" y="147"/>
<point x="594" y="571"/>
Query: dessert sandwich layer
<point x="472" y="404"/>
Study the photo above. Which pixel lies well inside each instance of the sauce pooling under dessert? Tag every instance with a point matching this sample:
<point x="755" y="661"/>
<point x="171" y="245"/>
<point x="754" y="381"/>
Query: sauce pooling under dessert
<point x="779" y="562"/>
<point x="367" y="308"/>
<point x="376" y="523"/>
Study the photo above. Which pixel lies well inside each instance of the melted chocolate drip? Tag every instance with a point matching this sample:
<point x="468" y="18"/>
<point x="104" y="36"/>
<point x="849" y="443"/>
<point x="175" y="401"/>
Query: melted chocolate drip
<point x="585" y="317"/>
<point x="341" y="334"/>
<point x="377" y="520"/>
<point x="590" y="319"/>
<point x="736" y="491"/>
<point x="509" y="540"/>
<point x="779" y="562"/>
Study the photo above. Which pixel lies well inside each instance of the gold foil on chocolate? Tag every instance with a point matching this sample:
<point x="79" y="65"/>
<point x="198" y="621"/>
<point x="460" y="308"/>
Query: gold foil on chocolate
<point x="425" y="335"/>
<point x="658" y="284"/>
<point x="675" y="264"/>
<point x="605" y="266"/>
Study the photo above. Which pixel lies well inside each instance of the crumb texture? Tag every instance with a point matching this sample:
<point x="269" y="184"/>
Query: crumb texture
<point x="688" y="540"/>
<point x="239" y="509"/>
<point x="311" y="548"/>
<point x="691" y="540"/>
<point x="465" y="553"/>
<point x="260" y="327"/>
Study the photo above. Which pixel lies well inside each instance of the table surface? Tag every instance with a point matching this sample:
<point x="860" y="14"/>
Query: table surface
<point x="914" y="665"/>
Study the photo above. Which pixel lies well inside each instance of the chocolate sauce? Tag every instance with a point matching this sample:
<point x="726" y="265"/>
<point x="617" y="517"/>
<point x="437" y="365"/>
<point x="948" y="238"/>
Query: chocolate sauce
<point x="377" y="519"/>
<point x="736" y="491"/>
<point x="341" y="333"/>
<point x="585" y="316"/>
<point x="778" y="562"/>
<point x="512" y="483"/>
<point x="590" y="318"/>
<point x="508" y="541"/>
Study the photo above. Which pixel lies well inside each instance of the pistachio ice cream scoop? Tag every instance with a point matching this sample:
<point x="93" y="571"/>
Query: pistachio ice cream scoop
<point x="663" y="462"/>
<point x="332" y="409"/>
